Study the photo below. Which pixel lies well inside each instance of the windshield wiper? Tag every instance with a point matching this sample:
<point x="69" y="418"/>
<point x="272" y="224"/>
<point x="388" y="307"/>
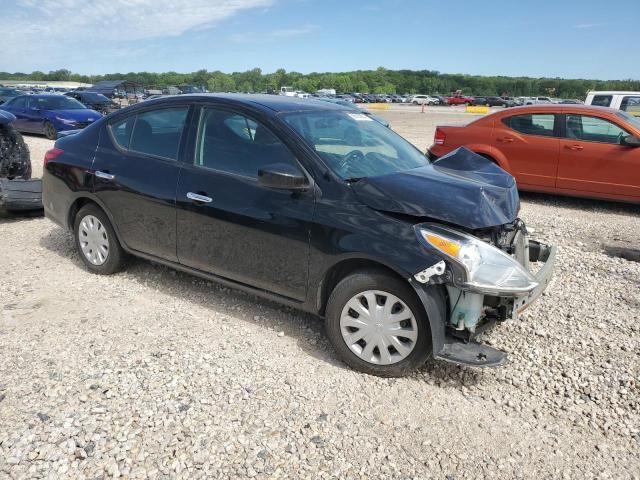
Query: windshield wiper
<point x="353" y="179"/>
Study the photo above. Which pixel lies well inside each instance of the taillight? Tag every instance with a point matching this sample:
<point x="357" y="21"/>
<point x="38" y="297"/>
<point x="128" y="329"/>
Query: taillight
<point x="439" y="137"/>
<point x="52" y="155"/>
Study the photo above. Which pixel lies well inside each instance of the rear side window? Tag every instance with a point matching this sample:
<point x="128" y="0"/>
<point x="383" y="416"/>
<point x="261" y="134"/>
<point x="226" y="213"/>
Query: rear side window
<point x="631" y="105"/>
<point x="158" y="132"/>
<point x="593" y="129"/>
<point x="542" y="124"/>
<point x="232" y="143"/>
<point x="601" y="100"/>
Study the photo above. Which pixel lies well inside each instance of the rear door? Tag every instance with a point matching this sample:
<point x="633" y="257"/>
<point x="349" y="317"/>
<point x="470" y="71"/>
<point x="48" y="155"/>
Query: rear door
<point x="136" y="172"/>
<point x="228" y="223"/>
<point x="530" y="144"/>
<point x="592" y="158"/>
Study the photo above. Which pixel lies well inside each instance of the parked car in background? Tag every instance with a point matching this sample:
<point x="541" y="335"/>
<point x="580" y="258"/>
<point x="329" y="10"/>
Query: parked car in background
<point x="424" y="100"/>
<point x="478" y="100"/>
<point x="460" y="100"/>
<point x="443" y="100"/>
<point x="509" y="101"/>
<point x="495" y="102"/>
<point x="567" y="149"/>
<point x="49" y="113"/>
<point x="8" y="93"/>
<point x="626" y="101"/>
<point x="571" y="101"/>
<point x="351" y="106"/>
<point x="536" y="100"/>
<point x="95" y="101"/>
<point x="311" y="205"/>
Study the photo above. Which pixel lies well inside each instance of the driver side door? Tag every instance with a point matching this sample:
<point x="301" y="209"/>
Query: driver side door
<point x="228" y="223"/>
<point x="592" y="159"/>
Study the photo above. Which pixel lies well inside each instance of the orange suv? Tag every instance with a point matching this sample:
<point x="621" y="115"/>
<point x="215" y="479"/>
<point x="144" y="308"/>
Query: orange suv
<point x="565" y="149"/>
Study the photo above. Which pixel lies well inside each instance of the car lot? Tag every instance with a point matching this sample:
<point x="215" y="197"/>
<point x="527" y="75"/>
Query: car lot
<point x="155" y="373"/>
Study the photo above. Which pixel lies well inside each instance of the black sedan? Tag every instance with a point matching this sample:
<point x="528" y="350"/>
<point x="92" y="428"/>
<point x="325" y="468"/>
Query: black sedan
<point x="311" y="205"/>
<point x="95" y="101"/>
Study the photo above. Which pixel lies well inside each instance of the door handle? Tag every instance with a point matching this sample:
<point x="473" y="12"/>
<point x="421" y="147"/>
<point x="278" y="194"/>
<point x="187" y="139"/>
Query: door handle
<point x="105" y="175"/>
<point x="573" y="147"/>
<point x="506" y="139"/>
<point x="199" y="198"/>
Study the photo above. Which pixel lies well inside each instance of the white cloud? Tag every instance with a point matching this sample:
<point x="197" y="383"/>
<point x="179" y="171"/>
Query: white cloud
<point x="294" y="32"/>
<point x="252" y="36"/>
<point x="587" y="25"/>
<point x="41" y="29"/>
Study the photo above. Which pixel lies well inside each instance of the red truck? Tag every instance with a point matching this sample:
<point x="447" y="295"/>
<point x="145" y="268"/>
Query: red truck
<point x="460" y="100"/>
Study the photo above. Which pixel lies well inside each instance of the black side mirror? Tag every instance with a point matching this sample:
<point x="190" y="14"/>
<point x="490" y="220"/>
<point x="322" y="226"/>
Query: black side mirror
<point x="630" y="141"/>
<point x="282" y="176"/>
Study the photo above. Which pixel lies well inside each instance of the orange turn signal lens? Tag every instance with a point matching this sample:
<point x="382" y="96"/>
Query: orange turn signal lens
<point x="442" y="244"/>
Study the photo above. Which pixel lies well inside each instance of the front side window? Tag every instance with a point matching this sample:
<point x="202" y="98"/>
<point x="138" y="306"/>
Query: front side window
<point x="593" y="129"/>
<point x="158" y="132"/>
<point x="533" y="124"/>
<point x="631" y="105"/>
<point x="233" y="143"/>
<point x="601" y="100"/>
<point x="20" y="102"/>
<point x="353" y="145"/>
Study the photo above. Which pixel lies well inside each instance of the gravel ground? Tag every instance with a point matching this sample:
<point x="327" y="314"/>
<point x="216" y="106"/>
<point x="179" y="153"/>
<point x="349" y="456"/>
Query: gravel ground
<point x="153" y="373"/>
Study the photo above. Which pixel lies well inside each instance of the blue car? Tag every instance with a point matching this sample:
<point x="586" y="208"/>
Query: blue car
<point x="49" y="114"/>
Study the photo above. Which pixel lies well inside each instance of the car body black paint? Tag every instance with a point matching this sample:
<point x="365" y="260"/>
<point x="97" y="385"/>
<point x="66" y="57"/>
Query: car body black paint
<point x="276" y="243"/>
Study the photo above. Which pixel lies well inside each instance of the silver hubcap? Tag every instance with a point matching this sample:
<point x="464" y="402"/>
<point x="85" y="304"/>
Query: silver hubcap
<point x="378" y="327"/>
<point x="94" y="240"/>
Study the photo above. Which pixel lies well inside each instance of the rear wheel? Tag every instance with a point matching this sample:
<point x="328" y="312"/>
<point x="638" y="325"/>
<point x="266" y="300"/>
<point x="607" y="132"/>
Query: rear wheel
<point x="50" y="131"/>
<point x="377" y="324"/>
<point x="96" y="241"/>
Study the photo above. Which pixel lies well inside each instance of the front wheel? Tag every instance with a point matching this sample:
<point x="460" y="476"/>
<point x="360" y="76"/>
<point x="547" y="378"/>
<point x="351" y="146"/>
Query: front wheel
<point x="50" y="131"/>
<point x="377" y="324"/>
<point x="96" y="241"/>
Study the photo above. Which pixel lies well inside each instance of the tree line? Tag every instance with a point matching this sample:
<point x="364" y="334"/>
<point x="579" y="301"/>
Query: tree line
<point x="380" y="80"/>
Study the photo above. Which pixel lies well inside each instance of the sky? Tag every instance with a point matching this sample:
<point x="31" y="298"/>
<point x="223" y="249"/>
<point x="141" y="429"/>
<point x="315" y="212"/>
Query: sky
<point x="561" y="38"/>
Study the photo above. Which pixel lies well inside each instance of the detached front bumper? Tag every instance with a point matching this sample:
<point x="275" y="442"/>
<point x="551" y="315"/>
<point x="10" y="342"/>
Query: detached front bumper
<point x="466" y="351"/>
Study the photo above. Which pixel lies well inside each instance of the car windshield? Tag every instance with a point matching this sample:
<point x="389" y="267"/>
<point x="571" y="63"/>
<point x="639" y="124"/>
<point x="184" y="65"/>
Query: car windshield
<point x="635" y="121"/>
<point x="9" y="92"/>
<point x="56" y="103"/>
<point x="355" y="146"/>
<point x="93" y="97"/>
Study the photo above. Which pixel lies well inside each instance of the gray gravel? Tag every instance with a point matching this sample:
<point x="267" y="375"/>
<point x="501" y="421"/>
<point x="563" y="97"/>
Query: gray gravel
<point x="153" y="373"/>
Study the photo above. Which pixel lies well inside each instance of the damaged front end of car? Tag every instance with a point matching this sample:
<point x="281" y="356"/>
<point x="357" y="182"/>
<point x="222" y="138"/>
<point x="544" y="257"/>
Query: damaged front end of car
<point x="464" y="210"/>
<point x="488" y="279"/>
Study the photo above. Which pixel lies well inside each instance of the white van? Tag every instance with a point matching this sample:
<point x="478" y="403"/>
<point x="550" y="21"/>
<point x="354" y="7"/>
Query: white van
<point x="626" y="101"/>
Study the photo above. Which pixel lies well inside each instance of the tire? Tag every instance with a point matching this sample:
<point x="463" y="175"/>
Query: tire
<point x="97" y="228"/>
<point x="50" y="131"/>
<point x="353" y="288"/>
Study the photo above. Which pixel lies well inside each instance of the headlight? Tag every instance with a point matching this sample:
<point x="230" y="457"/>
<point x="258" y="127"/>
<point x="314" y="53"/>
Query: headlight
<point x="488" y="269"/>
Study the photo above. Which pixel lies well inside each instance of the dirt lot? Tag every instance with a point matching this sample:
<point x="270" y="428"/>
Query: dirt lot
<point x="153" y="373"/>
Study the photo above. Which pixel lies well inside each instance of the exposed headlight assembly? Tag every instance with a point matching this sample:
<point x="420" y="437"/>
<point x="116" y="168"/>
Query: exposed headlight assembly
<point x="488" y="269"/>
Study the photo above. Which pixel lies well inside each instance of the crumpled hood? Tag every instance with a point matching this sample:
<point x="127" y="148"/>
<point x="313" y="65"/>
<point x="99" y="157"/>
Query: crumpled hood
<point x="461" y="188"/>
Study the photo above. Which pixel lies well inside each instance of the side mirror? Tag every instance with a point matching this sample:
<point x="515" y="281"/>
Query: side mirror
<point x="630" y="141"/>
<point x="282" y="176"/>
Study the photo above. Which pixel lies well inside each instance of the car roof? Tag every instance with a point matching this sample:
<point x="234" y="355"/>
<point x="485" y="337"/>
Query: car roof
<point x="612" y="92"/>
<point x="557" y="107"/>
<point x="265" y="102"/>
